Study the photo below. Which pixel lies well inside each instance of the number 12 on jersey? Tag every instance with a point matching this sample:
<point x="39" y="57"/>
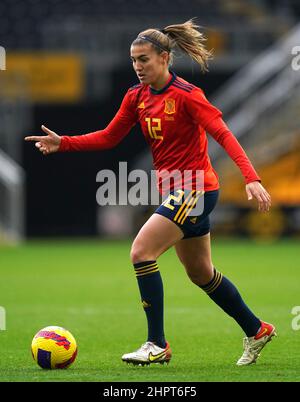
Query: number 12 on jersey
<point x="154" y="126"/>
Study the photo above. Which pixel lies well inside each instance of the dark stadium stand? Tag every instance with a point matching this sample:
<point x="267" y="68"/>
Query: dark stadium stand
<point x="24" y="22"/>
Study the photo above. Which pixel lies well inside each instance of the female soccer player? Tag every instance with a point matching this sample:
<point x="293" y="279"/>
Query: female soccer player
<point x="174" y="116"/>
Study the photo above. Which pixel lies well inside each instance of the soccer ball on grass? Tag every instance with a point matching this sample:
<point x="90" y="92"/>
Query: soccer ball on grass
<point x="54" y="348"/>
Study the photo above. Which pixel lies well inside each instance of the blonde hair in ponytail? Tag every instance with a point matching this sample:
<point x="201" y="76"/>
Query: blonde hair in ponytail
<point x="191" y="41"/>
<point x="186" y="37"/>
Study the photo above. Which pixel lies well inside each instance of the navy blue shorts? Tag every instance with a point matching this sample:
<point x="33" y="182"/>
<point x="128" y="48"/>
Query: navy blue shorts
<point x="189" y="210"/>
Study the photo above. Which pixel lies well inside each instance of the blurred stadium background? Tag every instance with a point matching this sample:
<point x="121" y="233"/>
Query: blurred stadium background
<point x="68" y="67"/>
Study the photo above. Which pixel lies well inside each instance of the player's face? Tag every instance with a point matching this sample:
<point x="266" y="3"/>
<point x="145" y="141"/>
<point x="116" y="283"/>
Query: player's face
<point x="150" y="67"/>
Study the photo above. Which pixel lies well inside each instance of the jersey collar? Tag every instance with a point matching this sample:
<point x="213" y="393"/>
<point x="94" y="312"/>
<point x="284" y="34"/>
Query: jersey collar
<point x="170" y="82"/>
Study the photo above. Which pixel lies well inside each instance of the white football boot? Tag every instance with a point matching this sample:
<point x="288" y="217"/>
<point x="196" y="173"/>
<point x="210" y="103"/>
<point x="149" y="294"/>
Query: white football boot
<point x="254" y="344"/>
<point x="149" y="353"/>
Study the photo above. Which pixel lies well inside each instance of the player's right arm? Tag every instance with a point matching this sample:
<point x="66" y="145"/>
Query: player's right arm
<point x="117" y="129"/>
<point x="47" y="144"/>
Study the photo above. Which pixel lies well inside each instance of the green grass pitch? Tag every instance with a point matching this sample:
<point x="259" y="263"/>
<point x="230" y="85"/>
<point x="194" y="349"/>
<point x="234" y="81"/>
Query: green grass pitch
<point x="90" y="288"/>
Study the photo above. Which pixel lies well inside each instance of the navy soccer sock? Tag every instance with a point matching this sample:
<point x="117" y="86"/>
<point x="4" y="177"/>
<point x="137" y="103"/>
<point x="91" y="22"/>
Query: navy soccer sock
<point x="225" y="295"/>
<point x="152" y="295"/>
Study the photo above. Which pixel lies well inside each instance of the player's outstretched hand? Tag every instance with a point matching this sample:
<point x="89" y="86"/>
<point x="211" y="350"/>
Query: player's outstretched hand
<point x="256" y="190"/>
<point x="47" y="144"/>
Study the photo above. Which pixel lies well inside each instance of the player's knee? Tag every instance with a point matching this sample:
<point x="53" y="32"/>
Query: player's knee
<point x="201" y="273"/>
<point x="200" y="280"/>
<point x="140" y="253"/>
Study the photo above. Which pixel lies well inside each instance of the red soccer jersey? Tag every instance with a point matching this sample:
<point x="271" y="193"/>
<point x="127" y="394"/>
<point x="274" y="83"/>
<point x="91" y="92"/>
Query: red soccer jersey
<point x="174" y="121"/>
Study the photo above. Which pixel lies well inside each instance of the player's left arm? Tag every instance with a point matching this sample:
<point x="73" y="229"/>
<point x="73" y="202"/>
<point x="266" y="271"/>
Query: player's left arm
<point x="218" y="129"/>
<point x="256" y="190"/>
<point x="210" y="117"/>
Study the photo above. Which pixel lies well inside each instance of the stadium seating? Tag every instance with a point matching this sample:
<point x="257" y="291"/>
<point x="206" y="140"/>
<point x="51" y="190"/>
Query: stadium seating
<point x="18" y="32"/>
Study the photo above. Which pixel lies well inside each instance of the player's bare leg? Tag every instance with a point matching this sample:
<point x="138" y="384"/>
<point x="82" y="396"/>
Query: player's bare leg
<point x="156" y="236"/>
<point x="195" y="255"/>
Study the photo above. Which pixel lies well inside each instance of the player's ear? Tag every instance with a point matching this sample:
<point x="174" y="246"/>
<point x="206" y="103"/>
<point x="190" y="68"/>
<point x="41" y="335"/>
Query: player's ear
<point x="165" y="56"/>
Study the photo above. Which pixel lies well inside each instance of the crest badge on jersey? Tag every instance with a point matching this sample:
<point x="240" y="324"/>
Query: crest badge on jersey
<point x="170" y="106"/>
